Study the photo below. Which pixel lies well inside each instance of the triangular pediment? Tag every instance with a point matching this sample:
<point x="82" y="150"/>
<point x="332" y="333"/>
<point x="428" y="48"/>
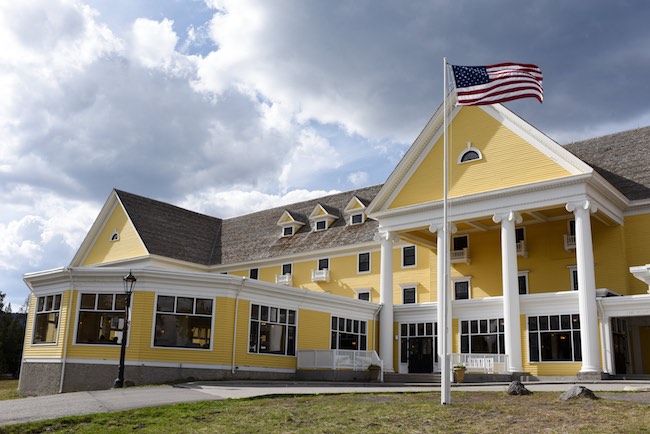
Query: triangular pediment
<point x="502" y="152"/>
<point x="354" y="205"/>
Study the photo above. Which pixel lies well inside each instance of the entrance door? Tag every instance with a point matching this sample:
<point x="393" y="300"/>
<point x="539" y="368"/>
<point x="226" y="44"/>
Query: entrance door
<point x="420" y="355"/>
<point x="619" y="340"/>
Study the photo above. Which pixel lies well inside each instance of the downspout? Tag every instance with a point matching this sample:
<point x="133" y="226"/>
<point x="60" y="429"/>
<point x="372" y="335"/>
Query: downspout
<point x="234" y="332"/>
<point x="65" y="332"/>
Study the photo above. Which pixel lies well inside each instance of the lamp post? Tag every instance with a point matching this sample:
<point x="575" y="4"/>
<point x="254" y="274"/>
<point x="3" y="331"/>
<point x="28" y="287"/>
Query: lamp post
<point x="129" y="284"/>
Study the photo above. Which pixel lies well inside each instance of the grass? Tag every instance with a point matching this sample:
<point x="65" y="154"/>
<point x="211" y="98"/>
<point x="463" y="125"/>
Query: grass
<point x="9" y="389"/>
<point x="471" y="412"/>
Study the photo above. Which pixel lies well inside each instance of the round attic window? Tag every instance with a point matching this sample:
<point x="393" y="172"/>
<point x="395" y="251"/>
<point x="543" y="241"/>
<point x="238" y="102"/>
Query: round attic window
<point x="469" y="154"/>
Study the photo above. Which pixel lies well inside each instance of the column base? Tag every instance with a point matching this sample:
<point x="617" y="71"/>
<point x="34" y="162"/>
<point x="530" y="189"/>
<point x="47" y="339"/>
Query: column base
<point x="591" y="376"/>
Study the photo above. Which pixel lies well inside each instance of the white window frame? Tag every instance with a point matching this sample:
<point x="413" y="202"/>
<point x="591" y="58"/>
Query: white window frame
<point x="290" y="265"/>
<point x="347" y="321"/>
<point x="369" y="262"/>
<point x="284" y="231"/>
<point x="259" y="320"/>
<point x="573" y="276"/>
<point x="524" y="274"/>
<point x="363" y="218"/>
<point x="176" y="297"/>
<point x="324" y="228"/>
<point x="43" y="312"/>
<point x="250" y="273"/>
<point x="407" y="286"/>
<point x="96" y="309"/>
<point x="318" y="267"/>
<point x="467" y="279"/>
<point x="415" y="256"/>
<point x="466" y="151"/>
<point x="459" y="236"/>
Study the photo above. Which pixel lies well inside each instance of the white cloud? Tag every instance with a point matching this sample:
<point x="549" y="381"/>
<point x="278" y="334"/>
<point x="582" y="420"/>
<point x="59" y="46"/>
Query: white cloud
<point x="358" y="179"/>
<point x="154" y="43"/>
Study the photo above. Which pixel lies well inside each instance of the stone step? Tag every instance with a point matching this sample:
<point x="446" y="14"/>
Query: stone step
<point x="392" y="377"/>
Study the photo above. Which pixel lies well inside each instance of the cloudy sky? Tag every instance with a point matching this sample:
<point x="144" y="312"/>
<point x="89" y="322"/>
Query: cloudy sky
<point x="229" y="106"/>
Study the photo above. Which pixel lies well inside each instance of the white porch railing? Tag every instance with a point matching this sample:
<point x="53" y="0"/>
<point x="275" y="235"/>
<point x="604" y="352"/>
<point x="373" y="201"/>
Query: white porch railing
<point x="459" y="256"/>
<point x="521" y="249"/>
<point x="338" y="359"/>
<point x="284" y="279"/>
<point x="569" y="242"/>
<point x="320" y="275"/>
<point x="481" y="363"/>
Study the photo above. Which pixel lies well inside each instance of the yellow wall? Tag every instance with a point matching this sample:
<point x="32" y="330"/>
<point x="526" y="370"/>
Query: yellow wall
<point x="128" y="246"/>
<point x="46" y="351"/>
<point x="637" y="248"/>
<point x="501" y="149"/>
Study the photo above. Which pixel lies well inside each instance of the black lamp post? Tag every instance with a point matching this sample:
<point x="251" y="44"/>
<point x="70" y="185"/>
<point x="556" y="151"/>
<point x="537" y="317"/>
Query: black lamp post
<point x="129" y="283"/>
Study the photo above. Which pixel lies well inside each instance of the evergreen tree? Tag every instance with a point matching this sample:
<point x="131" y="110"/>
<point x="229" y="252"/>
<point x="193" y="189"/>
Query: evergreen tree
<point x="12" y="334"/>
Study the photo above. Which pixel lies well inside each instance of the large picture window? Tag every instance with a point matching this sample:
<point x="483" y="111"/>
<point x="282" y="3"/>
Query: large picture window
<point x="46" y="321"/>
<point x="348" y="334"/>
<point x="482" y="336"/>
<point x="272" y="330"/>
<point x="554" y="338"/>
<point x="101" y="319"/>
<point x="183" y="322"/>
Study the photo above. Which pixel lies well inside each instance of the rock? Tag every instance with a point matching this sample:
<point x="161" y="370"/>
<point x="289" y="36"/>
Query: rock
<point x="516" y="388"/>
<point x="578" y="392"/>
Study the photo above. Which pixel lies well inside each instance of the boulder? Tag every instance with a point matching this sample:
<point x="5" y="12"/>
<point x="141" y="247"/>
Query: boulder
<point x="578" y="392"/>
<point x="516" y="388"/>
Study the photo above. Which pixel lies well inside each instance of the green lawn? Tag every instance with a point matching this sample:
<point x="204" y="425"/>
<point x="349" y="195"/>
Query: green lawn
<point x="8" y="389"/>
<point x="471" y="412"/>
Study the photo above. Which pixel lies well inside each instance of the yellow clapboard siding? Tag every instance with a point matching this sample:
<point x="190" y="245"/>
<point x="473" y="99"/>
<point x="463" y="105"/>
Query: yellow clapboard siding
<point x="637" y="248"/>
<point x="46" y="350"/>
<point x="314" y="330"/>
<point x="508" y="161"/>
<point x="128" y="246"/>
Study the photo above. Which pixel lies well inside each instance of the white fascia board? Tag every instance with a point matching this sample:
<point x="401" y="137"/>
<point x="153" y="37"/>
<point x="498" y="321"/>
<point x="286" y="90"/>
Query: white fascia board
<point x="478" y="308"/>
<point x="520" y="199"/>
<point x="550" y="303"/>
<point x="626" y="306"/>
<point x="637" y="207"/>
<point x="43" y="281"/>
<point x="418" y="312"/>
<point x="604" y="204"/>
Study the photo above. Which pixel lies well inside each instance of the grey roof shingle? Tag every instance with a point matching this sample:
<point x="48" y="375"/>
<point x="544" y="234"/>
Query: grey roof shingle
<point x="623" y="159"/>
<point x="174" y="232"/>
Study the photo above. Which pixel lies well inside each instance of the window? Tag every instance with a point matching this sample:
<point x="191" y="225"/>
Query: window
<point x="323" y="264"/>
<point x="520" y="235"/>
<point x="272" y="330"/>
<point x="287" y="231"/>
<point x="461" y="242"/>
<point x="46" y="322"/>
<point x="409" y="295"/>
<point x="461" y="289"/>
<point x="183" y="322"/>
<point x="572" y="227"/>
<point x="115" y="236"/>
<point x="363" y="295"/>
<point x="364" y="263"/>
<point x="321" y="225"/>
<point x="101" y="319"/>
<point x="469" y="154"/>
<point x="356" y="219"/>
<point x="348" y="334"/>
<point x="554" y="338"/>
<point x="573" y="270"/>
<point x="522" y="281"/>
<point x="286" y="269"/>
<point x="482" y="336"/>
<point x="408" y="256"/>
<point x="254" y="273"/>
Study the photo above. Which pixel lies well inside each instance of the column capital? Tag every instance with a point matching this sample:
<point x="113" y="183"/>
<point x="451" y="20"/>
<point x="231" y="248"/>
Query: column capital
<point x="581" y="204"/>
<point x="386" y="236"/>
<point x="507" y="216"/>
<point x="438" y="227"/>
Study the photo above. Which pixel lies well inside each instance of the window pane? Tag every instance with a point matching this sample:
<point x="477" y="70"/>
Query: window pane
<point x="272" y="338"/>
<point x="87" y="301"/>
<point x="356" y="326"/>
<point x="363" y="327"/>
<point x="464" y="327"/>
<point x="555" y="322"/>
<point x="532" y="323"/>
<point x="474" y="326"/>
<point x="357" y="218"/>
<point x="292" y="317"/>
<point x="273" y="314"/>
<point x="41" y="304"/>
<point x="100" y="328"/>
<point x="49" y="300"/>
<point x="283" y="316"/>
<point x="57" y="302"/>
<point x="286" y="269"/>
<point x="411" y="329"/>
<point x="522" y="285"/>
<point x="204" y="306"/>
<point x="404" y="351"/>
<point x="421" y="329"/>
<point x="408" y="256"/>
<point x="323" y="264"/>
<point x="464" y="344"/>
<point x="165" y="303"/>
<point x="45" y="327"/>
<point x="543" y="323"/>
<point x="120" y="301"/>
<point x="483" y="326"/>
<point x="348" y="325"/>
<point x="183" y="331"/>
<point x="364" y="262"/>
<point x="556" y="346"/>
<point x="254" y="273"/>
<point x="342" y="324"/>
<point x="534" y="347"/>
<point x="105" y="302"/>
<point x="409" y="295"/>
<point x="429" y="330"/>
<point x="184" y="305"/>
<point x="494" y="326"/>
<point x="334" y="340"/>
<point x="264" y="313"/>
<point x="364" y="296"/>
<point x="255" y="311"/>
<point x="486" y="344"/>
<point x="460" y="243"/>
<point x="348" y="341"/>
<point x="575" y="319"/>
<point x="577" y="347"/>
<point x="335" y="323"/>
<point x="291" y="341"/>
<point x="461" y="290"/>
<point x="252" y="340"/>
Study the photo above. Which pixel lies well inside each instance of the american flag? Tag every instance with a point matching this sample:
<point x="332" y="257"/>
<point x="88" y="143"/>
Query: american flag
<point x="482" y="85"/>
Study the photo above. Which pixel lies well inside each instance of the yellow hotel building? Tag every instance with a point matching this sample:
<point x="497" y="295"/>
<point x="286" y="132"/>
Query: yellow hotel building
<point x="550" y="270"/>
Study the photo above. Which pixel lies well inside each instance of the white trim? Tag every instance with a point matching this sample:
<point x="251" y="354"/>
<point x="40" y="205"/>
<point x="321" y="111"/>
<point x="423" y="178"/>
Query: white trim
<point x="175" y="295"/>
<point x="415" y="256"/>
<point x="369" y="262"/>
<point x="406" y="286"/>
<point x="465" y="151"/>
<point x="523" y="273"/>
<point x="462" y="279"/>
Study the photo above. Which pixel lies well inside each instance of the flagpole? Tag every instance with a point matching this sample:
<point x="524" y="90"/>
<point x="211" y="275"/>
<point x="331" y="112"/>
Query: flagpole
<point x="443" y="293"/>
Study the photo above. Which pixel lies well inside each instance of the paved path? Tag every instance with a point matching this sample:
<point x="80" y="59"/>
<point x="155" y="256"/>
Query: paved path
<point x="104" y="401"/>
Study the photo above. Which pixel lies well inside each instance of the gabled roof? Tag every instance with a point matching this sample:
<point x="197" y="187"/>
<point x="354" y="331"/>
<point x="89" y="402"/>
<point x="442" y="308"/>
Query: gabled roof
<point x="623" y="159"/>
<point x="174" y="232"/>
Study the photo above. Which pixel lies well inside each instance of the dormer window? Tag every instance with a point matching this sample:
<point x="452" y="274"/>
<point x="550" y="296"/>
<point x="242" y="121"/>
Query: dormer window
<point x="115" y="236"/>
<point x="356" y="219"/>
<point x="322" y="217"/>
<point x="469" y="154"/>
<point x="356" y="210"/>
<point x="289" y="224"/>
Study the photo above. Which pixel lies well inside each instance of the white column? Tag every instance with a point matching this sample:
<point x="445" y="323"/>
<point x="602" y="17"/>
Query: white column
<point x="386" y="337"/>
<point x="586" y="286"/>
<point x="443" y="344"/>
<point x="509" y="276"/>
<point x="606" y="342"/>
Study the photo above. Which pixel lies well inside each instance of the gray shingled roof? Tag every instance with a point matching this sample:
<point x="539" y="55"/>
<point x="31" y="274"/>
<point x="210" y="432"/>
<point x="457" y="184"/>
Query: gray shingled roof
<point x="623" y="159"/>
<point x="174" y="232"/>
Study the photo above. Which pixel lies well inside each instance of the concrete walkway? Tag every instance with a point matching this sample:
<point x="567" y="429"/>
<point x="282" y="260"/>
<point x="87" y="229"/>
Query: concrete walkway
<point x="104" y="401"/>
